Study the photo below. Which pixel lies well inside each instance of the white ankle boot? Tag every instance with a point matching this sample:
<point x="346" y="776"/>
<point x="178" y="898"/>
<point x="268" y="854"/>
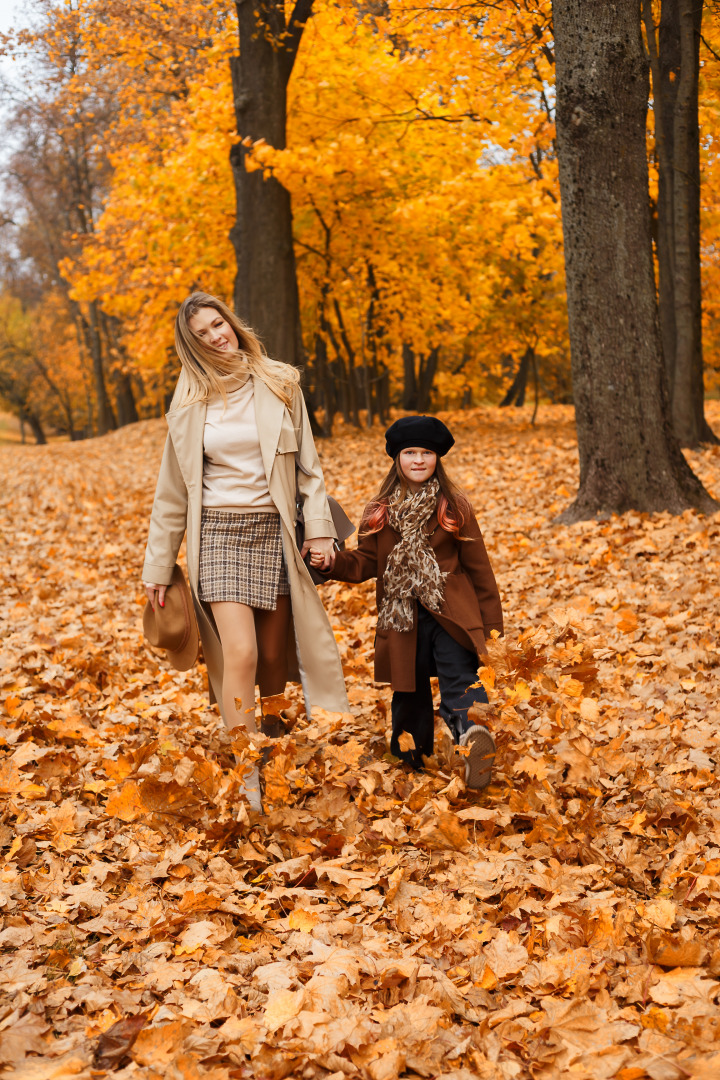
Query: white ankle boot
<point x="250" y="788"/>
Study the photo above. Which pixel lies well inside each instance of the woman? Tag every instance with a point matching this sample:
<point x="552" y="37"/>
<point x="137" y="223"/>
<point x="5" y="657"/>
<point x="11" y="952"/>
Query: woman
<point x="238" y="460"/>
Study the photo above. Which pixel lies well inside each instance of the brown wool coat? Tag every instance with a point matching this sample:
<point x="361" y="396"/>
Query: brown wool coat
<point x="292" y="466"/>
<point x="471" y="608"/>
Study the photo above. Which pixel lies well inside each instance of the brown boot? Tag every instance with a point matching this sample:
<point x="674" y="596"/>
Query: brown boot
<point x="273" y="726"/>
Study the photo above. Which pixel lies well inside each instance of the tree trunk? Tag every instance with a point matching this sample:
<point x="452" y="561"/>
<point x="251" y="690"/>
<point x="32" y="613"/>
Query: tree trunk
<point x="373" y="334"/>
<point x="675" y="65"/>
<point x="266" y="292"/>
<point x="516" y="391"/>
<point x="384" y="394"/>
<point x="629" y="457"/>
<point x="106" y="418"/>
<point x="428" y="371"/>
<point x="124" y="394"/>
<point x="35" y="425"/>
<point x="125" y="400"/>
<point x="338" y="374"/>
<point x="410" y="389"/>
<point x="324" y="383"/>
<point x="63" y="396"/>
<point x="688" y="390"/>
<point x="351" y="368"/>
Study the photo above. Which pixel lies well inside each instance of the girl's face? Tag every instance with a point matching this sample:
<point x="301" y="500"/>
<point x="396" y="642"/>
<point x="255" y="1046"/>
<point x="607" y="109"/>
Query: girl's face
<point x="417" y="465"/>
<point x="210" y="326"/>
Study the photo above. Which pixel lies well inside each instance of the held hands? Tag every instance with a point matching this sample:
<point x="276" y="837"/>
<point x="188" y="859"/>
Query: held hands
<point x="322" y="552"/>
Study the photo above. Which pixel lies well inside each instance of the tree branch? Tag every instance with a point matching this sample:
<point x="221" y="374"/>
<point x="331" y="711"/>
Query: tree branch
<point x="709" y="47"/>
<point x="296" y="24"/>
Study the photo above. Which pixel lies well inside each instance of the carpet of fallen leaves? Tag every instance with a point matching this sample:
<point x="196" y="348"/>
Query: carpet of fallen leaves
<point x="375" y="923"/>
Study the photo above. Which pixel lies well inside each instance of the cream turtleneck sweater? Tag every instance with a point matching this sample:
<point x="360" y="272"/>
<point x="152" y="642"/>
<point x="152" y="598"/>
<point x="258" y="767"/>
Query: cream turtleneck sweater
<point x="233" y="472"/>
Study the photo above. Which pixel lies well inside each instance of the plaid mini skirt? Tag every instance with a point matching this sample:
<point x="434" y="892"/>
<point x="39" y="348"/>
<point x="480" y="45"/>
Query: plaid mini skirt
<point x="241" y="559"/>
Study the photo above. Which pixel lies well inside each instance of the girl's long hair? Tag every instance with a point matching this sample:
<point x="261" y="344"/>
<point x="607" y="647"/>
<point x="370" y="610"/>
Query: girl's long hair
<point x="206" y="369"/>
<point x="452" y="505"/>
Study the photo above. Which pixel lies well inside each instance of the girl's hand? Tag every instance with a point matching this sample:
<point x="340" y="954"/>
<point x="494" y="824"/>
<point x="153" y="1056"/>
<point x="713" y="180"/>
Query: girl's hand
<point x="317" y="561"/>
<point x="322" y="552"/>
<point x="151" y="590"/>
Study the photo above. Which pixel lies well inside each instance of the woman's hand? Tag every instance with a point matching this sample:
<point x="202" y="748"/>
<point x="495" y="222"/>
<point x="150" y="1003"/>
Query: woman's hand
<point x="151" y="590"/>
<point x="322" y="552"/>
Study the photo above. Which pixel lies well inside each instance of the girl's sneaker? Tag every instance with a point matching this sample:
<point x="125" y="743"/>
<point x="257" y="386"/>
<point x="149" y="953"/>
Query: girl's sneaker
<point x="479" y="762"/>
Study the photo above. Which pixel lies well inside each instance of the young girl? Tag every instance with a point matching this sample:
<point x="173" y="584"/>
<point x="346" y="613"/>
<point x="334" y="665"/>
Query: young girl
<point x="436" y="594"/>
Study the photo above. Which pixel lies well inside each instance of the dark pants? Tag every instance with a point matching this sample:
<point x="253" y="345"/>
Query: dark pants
<point x="456" y="669"/>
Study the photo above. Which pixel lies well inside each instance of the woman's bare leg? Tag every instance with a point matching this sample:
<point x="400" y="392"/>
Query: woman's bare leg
<point x="236" y="627"/>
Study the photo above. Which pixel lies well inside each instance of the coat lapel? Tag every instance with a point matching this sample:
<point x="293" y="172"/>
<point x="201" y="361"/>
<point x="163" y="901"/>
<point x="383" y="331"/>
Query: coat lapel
<point x="269" y="412"/>
<point x="186" y="426"/>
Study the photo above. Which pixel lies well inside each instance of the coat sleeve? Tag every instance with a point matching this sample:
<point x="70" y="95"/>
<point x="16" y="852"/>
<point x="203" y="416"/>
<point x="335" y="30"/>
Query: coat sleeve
<point x="168" y="520"/>
<point x="474" y="560"/>
<point x="357" y="565"/>
<point x="310" y="481"/>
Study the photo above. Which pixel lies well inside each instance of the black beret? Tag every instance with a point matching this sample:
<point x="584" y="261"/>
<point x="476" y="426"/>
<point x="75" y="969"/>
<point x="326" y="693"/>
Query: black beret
<point x="425" y="431"/>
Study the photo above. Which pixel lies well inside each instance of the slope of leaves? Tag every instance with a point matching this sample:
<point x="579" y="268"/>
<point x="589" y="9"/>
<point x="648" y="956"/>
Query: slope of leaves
<point x="374" y="923"/>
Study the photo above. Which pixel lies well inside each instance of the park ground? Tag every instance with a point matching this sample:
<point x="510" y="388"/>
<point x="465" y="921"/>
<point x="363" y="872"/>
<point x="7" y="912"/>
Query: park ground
<point x="375" y="923"/>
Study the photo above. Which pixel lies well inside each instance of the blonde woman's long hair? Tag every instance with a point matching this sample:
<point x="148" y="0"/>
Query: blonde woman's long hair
<point x="206" y="369"/>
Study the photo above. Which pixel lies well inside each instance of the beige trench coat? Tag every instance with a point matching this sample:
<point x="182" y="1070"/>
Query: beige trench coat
<point x="288" y="451"/>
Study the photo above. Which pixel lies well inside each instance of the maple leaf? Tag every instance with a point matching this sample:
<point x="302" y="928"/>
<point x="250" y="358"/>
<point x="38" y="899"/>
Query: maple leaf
<point x="115" y="1043"/>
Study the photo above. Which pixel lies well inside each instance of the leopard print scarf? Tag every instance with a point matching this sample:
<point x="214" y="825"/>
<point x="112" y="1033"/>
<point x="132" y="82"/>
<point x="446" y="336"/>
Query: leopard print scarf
<point x="412" y="571"/>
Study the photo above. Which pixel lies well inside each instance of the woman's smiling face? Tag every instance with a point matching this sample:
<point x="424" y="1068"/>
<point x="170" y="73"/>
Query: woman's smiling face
<point x="210" y="326"/>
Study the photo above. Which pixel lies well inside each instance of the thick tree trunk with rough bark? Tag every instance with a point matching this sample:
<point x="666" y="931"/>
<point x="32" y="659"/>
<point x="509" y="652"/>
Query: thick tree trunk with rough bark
<point x="266" y="292"/>
<point x="629" y="456"/>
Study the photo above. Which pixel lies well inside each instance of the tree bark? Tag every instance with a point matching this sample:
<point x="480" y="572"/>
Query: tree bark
<point x="125" y="404"/>
<point x="675" y="65"/>
<point x="426" y="380"/>
<point x="266" y="291"/>
<point x="62" y="395"/>
<point x="105" y="416"/>
<point x="351" y="368"/>
<point x="664" y="56"/>
<point x="125" y="400"/>
<point x="410" y="389"/>
<point x="516" y="391"/>
<point x="324" y="383"/>
<point x="629" y="456"/>
<point x="35" y="424"/>
<point x="373" y="334"/>
<point x="688" y="390"/>
<point x="16" y="394"/>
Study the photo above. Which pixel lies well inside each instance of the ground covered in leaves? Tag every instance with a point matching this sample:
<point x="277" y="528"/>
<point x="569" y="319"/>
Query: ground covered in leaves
<point x="375" y="923"/>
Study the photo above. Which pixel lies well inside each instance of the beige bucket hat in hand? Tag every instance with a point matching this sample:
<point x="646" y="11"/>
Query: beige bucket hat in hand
<point x="173" y="627"/>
